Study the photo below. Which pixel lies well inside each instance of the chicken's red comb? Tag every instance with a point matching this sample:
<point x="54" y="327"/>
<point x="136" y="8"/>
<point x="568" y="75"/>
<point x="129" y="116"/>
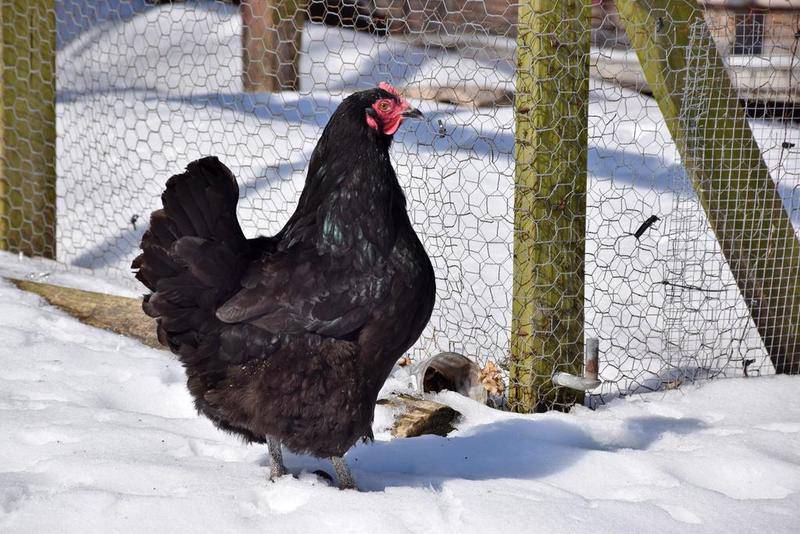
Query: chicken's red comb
<point x="389" y="89"/>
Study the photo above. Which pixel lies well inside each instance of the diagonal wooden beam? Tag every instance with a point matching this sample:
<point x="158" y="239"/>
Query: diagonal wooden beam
<point x="723" y="161"/>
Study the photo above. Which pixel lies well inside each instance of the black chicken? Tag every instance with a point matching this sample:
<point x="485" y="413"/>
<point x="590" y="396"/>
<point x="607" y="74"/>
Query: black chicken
<point x="288" y="339"/>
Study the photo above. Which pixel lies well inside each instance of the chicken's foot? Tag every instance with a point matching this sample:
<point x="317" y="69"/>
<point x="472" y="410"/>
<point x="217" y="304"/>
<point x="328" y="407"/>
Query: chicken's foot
<point x="276" y="467"/>
<point x="346" y="480"/>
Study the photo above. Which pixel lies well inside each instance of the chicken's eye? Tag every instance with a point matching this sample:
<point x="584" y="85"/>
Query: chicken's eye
<point x="384" y="105"/>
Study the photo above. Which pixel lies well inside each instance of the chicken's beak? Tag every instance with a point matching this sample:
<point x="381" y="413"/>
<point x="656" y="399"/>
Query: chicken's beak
<point x="412" y="113"/>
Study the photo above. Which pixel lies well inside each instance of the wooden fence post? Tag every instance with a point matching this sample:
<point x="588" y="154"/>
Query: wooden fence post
<point x="550" y="201"/>
<point x="28" y="127"/>
<point x="271" y="33"/>
<point x="725" y="166"/>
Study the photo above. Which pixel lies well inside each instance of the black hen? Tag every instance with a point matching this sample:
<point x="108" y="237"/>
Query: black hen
<point x="289" y="338"/>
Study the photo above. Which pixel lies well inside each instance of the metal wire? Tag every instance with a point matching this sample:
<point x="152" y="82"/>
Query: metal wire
<point x="145" y="87"/>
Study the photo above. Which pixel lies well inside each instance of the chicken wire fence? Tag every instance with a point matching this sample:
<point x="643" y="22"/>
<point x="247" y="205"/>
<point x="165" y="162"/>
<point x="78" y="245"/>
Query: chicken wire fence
<point x="145" y="87"/>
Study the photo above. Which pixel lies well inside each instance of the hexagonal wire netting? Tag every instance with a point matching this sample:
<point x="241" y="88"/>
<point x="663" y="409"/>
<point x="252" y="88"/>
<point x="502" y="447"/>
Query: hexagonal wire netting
<point x="143" y="88"/>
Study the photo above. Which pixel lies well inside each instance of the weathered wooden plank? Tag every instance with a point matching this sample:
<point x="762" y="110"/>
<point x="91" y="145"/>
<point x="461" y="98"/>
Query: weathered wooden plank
<point x="420" y="416"/>
<point x="122" y="315"/>
<point x="549" y="202"/>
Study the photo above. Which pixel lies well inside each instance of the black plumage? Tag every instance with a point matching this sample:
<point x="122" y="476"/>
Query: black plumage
<point x="292" y="336"/>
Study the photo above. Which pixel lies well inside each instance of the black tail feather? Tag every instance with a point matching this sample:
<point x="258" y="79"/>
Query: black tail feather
<point x="193" y="257"/>
<point x="193" y="254"/>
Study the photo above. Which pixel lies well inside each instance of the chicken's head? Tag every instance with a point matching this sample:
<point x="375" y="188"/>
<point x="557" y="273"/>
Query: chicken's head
<point x="388" y="110"/>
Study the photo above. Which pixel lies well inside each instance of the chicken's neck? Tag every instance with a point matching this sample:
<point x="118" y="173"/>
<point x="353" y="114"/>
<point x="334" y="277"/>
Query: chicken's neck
<point x="352" y="204"/>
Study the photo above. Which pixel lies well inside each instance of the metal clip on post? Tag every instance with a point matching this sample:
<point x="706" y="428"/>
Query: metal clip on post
<point x="591" y="366"/>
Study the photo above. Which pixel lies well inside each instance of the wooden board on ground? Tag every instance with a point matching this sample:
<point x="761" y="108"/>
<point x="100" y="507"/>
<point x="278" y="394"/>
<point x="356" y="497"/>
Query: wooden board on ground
<point x="124" y="315"/>
<point x="420" y="416"/>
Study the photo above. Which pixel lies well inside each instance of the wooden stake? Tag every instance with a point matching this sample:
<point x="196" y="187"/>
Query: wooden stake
<point x="28" y="127"/>
<point x="271" y="33"/>
<point x="550" y="202"/>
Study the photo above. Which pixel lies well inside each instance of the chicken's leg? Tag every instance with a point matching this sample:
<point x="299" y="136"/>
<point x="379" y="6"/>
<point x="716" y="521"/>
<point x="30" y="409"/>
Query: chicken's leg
<point x="346" y="480"/>
<point x="276" y="467"/>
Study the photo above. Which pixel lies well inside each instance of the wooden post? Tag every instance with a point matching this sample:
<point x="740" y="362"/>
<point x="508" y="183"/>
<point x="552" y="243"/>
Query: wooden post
<point x="550" y="201"/>
<point x="725" y="165"/>
<point x="271" y="32"/>
<point x="28" y="127"/>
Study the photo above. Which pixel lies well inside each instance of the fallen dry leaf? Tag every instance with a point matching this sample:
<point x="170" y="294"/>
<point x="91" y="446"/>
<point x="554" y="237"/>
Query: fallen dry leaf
<point x="492" y="380"/>
<point x="404" y="361"/>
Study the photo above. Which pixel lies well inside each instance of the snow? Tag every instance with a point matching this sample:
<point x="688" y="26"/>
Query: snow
<point x="144" y="89"/>
<point x="98" y="434"/>
<point x="52" y="272"/>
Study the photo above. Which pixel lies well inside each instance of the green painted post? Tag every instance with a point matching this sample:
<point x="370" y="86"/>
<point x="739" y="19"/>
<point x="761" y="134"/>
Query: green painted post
<point x="28" y="127"/>
<point x="550" y="201"/>
<point x="725" y="165"/>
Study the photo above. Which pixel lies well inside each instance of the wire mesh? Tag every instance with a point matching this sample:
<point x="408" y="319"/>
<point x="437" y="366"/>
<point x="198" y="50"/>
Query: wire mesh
<point x="708" y="292"/>
<point x="145" y="87"/>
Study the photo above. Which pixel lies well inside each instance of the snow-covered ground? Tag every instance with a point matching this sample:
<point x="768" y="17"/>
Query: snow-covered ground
<point x="144" y="89"/>
<point x="98" y="434"/>
<point x="52" y="272"/>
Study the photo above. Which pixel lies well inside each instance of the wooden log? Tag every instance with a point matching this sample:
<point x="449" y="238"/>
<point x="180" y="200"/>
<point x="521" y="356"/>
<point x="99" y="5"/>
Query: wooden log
<point x="420" y="416"/>
<point x="122" y="315"/>
<point x="28" y="127"/>
<point x="549" y="202"/>
<point x="725" y="166"/>
<point x="271" y="33"/>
